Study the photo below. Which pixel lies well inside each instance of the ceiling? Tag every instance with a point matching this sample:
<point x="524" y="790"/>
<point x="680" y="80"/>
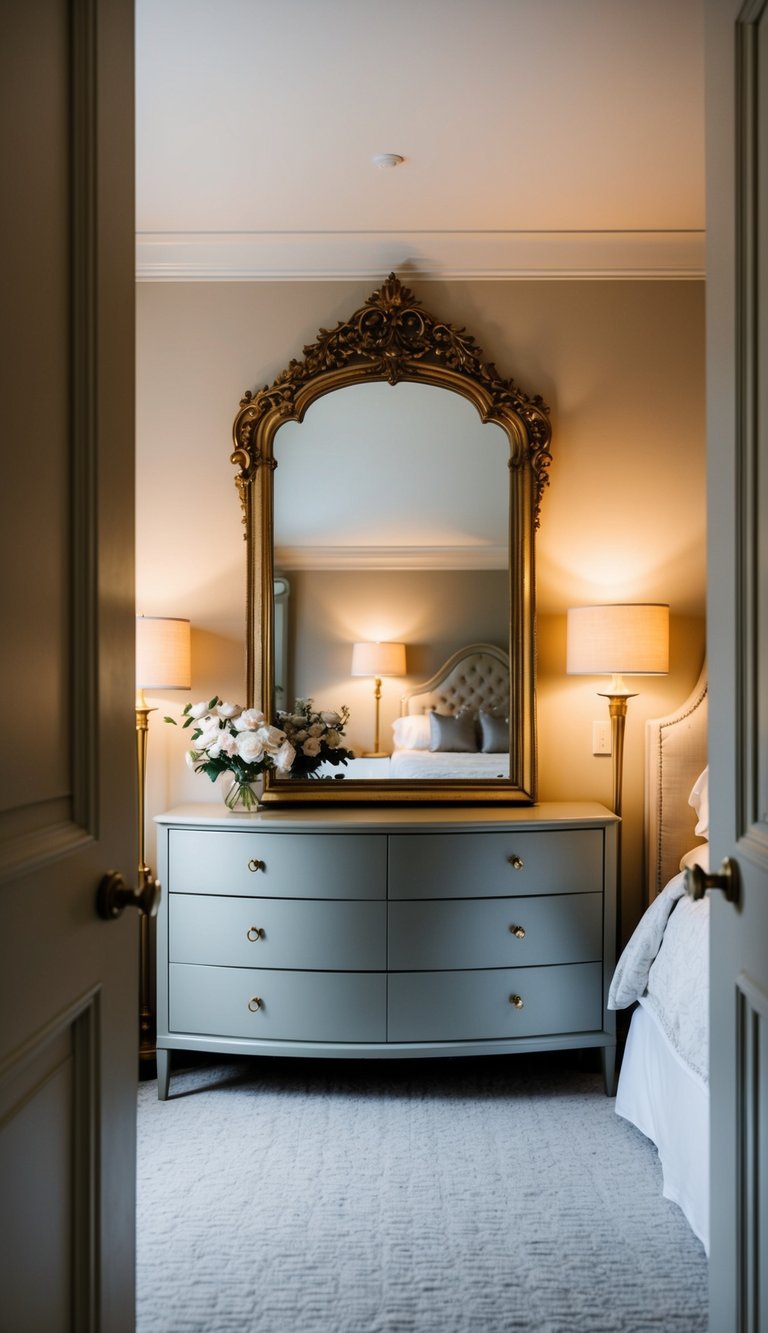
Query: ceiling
<point x="548" y="138"/>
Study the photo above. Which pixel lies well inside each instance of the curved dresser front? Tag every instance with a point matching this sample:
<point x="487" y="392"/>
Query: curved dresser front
<point x="381" y="932"/>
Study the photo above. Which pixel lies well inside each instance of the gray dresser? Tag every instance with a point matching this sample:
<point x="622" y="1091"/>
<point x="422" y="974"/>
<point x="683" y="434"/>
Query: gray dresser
<point x="386" y="932"/>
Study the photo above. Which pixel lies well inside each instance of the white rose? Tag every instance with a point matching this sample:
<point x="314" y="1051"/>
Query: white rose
<point x="249" y="720"/>
<point x="192" y="757"/>
<point x="228" y="711"/>
<point x="273" y="736"/>
<point x="250" y="746"/>
<point x="333" y="740"/>
<point x="311" y="746"/>
<point x="285" y="757"/>
<point x="228" y="743"/>
<point x="198" y="710"/>
<point x="316" y="729"/>
<point x="331" y="719"/>
<point x="210" y="734"/>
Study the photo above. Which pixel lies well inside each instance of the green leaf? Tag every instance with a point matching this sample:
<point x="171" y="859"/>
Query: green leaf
<point x="172" y="720"/>
<point x="213" y="701"/>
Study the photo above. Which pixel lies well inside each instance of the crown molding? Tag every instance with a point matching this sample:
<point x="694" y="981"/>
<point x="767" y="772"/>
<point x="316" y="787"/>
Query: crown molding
<point x="288" y="558"/>
<point x="490" y="255"/>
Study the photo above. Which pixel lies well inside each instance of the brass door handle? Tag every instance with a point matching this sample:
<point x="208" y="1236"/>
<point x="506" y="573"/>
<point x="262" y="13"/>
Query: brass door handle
<point x="254" y="1003"/>
<point x="518" y="932"/>
<point x="113" y="895"/>
<point x="253" y="864"/>
<point x="517" y="1001"/>
<point x="254" y="933"/>
<point x="516" y="861"/>
<point x="697" y="881"/>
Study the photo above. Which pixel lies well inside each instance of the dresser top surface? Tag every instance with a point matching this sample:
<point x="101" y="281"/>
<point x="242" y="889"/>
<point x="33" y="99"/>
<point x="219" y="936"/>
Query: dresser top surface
<point x="547" y="814"/>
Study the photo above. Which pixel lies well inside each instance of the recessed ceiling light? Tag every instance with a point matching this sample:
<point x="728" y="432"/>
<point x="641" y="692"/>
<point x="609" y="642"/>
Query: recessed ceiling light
<point x="387" y="160"/>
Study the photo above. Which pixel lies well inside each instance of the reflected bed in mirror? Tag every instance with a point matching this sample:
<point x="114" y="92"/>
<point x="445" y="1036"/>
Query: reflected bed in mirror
<point x="452" y="727"/>
<point x="395" y="479"/>
<point x="456" y="725"/>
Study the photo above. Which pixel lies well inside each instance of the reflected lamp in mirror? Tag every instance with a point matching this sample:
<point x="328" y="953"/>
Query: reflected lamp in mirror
<point x="617" y="640"/>
<point x="376" y="660"/>
<point x="163" y="662"/>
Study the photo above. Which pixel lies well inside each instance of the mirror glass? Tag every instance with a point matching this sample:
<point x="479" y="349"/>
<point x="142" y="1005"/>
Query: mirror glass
<point x="384" y="539"/>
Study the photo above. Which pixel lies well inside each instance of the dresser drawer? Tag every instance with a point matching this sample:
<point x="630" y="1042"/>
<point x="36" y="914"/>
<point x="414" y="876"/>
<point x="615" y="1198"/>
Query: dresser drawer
<point x="480" y="932"/>
<point x="273" y="932"/>
<point x="293" y="1006"/>
<point x="466" y="1006"/>
<point x="484" y="865"/>
<point x="277" y="865"/>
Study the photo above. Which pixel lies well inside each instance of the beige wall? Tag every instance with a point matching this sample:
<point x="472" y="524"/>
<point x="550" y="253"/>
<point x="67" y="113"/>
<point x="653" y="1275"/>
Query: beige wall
<point x="621" y="366"/>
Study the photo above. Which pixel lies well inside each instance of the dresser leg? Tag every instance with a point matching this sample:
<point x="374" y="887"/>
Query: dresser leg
<point x="163" y="1074"/>
<point x="608" y="1056"/>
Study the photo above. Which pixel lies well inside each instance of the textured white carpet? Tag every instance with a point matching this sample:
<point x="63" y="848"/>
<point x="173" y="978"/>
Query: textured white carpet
<point x="463" y="1196"/>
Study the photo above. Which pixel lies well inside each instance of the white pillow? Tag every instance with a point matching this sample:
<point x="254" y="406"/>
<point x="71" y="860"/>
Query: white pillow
<point x="699" y="799"/>
<point x="411" y="733"/>
<point x="697" y="856"/>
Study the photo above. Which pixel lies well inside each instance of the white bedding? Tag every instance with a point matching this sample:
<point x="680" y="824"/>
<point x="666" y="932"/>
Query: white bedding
<point x="663" y="1083"/>
<point x="658" y="1094"/>
<point x="447" y="764"/>
<point x="666" y="964"/>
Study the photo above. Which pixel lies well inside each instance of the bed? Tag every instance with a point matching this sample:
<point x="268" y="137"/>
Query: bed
<point x="456" y="725"/>
<point x="663" y="971"/>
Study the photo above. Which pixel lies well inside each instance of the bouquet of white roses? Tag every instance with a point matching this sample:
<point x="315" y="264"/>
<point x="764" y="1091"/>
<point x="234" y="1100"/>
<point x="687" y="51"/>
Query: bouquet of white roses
<point x="228" y="738"/>
<point x="316" y="737"/>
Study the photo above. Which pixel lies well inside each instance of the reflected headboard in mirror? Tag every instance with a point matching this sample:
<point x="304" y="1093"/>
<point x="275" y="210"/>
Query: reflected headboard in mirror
<point x="391" y="445"/>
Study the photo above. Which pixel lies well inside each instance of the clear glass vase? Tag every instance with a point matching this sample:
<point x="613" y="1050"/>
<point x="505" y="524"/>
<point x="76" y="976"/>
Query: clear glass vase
<point x="241" y="797"/>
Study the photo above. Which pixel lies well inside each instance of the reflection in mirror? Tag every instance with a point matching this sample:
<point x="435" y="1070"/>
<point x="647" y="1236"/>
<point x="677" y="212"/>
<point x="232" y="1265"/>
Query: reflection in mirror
<point x="391" y="512"/>
<point x="415" y="528"/>
<point x="281" y="674"/>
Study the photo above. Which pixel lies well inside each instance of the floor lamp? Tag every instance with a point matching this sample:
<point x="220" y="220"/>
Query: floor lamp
<point x="162" y="663"/>
<point x="615" y="640"/>
<point x="377" y="660"/>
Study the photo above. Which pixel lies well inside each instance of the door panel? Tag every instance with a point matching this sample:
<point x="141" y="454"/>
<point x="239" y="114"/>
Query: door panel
<point x="67" y="802"/>
<point x="737" y="315"/>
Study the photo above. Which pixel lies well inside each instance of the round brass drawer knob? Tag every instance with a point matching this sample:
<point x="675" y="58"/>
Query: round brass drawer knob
<point x="254" y="1003"/>
<point x="516" y="861"/>
<point x="254" y="933"/>
<point x="518" y="932"/>
<point x="253" y="864"/>
<point x="516" y="1000"/>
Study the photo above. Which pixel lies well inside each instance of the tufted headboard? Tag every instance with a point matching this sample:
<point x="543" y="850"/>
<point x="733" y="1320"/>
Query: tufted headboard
<point x="675" y="754"/>
<point x="474" y="677"/>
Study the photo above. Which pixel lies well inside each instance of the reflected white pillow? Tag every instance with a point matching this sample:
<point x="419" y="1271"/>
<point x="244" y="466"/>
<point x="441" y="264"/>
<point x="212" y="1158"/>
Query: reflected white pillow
<point x="697" y="856"/>
<point x="411" y="733"/>
<point x="699" y="799"/>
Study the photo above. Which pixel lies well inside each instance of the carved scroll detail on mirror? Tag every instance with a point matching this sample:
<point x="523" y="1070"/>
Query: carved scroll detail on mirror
<point x="392" y="339"/>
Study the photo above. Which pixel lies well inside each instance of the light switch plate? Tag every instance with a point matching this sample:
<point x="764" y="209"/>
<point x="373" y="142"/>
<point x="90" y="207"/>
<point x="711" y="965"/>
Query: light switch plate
<point x="601" y="738"/>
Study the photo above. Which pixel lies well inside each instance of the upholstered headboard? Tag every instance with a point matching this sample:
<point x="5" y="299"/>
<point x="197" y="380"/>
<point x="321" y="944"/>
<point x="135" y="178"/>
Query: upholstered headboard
<point x="676" y="753"/>
<point x="474" y="677"/>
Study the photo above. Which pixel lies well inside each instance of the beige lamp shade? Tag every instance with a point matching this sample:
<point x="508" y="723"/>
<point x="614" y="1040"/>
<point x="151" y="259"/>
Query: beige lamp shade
<point x="378" y="659"/>
<point x="163" y="654"/>
<point x="619" y="639"/>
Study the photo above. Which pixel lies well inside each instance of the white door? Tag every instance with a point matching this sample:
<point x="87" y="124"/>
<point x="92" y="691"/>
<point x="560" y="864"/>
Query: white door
<point x="737" y="376"/>
<point x="68" y="1037"/>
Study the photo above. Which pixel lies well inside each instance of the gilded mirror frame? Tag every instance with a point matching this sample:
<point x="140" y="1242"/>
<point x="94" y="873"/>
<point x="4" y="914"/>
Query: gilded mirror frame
<point x="392" y="338"/>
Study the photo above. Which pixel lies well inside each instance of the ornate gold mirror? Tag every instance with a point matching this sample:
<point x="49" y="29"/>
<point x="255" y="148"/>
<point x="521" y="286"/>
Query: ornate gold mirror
<point x="371" y="491"/>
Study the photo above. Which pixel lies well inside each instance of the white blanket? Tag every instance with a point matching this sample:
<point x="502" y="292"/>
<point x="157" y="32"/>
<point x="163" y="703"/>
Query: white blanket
<point x="666" y="964"/>
<point x="447" y="764"/>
